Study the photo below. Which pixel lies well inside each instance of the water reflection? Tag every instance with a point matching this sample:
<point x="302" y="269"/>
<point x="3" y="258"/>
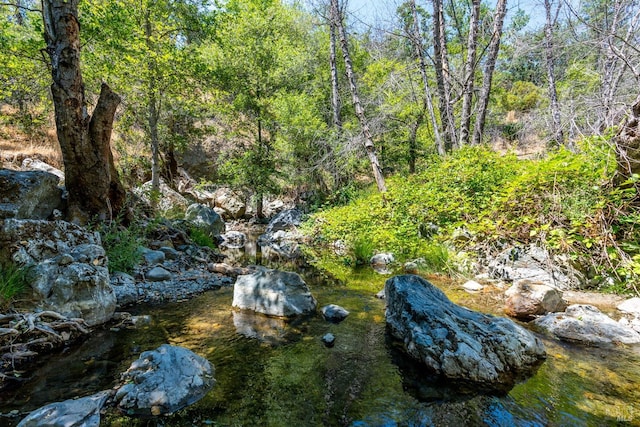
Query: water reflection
<point x="275" y="373"/>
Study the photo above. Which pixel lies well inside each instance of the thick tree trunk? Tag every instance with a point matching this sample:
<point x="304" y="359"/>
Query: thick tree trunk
<point x="95" y="191"/>
<point x="335" y="93"/>
<point x="490" y="65"/>
<point x="441" y="63"/>
<point x="366" y="133"/>
<point x="416" y="40"/>
<point x="469" y="74"/>
<point x="558" y="134"/>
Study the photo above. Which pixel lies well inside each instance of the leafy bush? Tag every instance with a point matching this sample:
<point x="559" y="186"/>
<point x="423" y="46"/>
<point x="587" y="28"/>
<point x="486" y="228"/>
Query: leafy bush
<point x="122" y="245"/>
<point x="13" y="281"/>
<point x="363" y="250"/>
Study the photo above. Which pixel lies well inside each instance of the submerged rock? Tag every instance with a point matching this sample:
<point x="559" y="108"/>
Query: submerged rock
<point x="329" y="339"/>
<point x="274" y="293"/>
<point x="527" y="299"/>
<point x="83" y="412"/>
<point x="163" y="381"/>
<point x="586" y="324"/>
<point x="486" y="352"/>
<point x="270" y="330"/>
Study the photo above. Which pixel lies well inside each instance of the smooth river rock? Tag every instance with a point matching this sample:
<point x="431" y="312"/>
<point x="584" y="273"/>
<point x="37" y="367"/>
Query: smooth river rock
<point x="462" y="346"/>
<point x="527" y="299"/>
<point x="83" y="412"/>
<point x="274" y="293"/>
<point x="163" y="381"/>
<point x="586" y="324"/>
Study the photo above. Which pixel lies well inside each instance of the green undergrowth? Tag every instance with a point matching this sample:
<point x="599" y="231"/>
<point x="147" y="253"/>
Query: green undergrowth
<point x="474" y="201"/>
<point x="13" y="281"/>
<point x="122" y="245"/>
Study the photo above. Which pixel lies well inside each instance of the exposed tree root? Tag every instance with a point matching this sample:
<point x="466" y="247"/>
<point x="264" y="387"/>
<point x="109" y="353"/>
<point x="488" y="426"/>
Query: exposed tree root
<point x="26" y="335"/>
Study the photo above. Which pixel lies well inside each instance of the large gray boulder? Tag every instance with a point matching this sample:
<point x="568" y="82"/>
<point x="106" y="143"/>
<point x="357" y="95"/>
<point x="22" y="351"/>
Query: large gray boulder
<point x="28" y="194"/>
<point x="585" y="324"/>
<point x="163" y="381"/>
<point x="274" y="293"/>
<point x="454" y="343"/>
<point x="206" y="218"/>
<point x="527" y="299"/>
<point x="83" y="412"/>
<point x="69" y="272"/>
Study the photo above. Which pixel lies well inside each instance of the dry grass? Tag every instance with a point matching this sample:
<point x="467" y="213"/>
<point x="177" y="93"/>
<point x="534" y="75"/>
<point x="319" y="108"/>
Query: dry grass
<point x="17" y="145"/>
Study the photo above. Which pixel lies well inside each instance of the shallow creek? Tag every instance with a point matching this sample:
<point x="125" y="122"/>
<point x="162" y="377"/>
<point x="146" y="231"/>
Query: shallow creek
<point x="272" y="373"/>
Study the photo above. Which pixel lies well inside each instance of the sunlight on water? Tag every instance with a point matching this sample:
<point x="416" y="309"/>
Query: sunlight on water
<point x="275" y="373"/>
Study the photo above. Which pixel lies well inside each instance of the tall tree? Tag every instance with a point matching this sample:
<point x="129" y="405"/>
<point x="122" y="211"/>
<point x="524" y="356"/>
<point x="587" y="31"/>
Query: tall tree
<point x="469" y="74"/>
<point x="91" y="179"/>
<point x="489" y="67"/>
<point x="550" y="19"/>
<point x="415" y="35"/>
<point x="333" y="63"/>
<point x="359" y="110"/>
<point x="443" y="78"/>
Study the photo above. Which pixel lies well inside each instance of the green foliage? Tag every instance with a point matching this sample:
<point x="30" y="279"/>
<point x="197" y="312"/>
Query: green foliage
<point x="561" y="202"/>
<point x="14" y="280"/>
<point x="522" y="96"/>
<point x="122" y="245"/>
<point x="201" y="237"/>
<point x="363" y="250"/>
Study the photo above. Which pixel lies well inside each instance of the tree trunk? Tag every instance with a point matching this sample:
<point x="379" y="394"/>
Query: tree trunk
<point x="95" y="191"/>
<point x="416" y="39"/>
<point x="366" y="133"/>
<point x="441" y="63"/>
<point x="469" y="74"/>
<point x="627" y="144"/>
<point x="152" y="119"/>
<point x="490" y="65"/>
<point x="335" y="93"/>
<point x="558" y="134"/>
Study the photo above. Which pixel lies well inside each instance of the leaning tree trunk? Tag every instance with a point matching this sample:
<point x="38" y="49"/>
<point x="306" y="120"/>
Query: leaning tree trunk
<point x="368" y="140"/>
<point x="95" y="191"/>
<point x="627" y="144"/>
<point x="494" y="48"/>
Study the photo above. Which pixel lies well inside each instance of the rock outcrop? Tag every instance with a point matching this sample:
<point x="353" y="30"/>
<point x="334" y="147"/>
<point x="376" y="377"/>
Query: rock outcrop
<point x="585" y="324"/>
<point x="527" y="299"/>
<point x="231" y="204"/>
<point x="462" y="346"/>
<point x="69" y="267"/>
<point x="28" y="194"/>
<point x="274" y="293"/>
<point x="163" y="381"/>
<point x="534" y="264"/>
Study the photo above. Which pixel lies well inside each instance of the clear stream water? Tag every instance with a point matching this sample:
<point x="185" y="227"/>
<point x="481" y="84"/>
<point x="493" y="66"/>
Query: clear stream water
<point x="272" y="373"/>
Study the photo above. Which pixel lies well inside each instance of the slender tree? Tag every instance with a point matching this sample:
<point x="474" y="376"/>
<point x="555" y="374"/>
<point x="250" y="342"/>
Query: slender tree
<point x="333" y="63"/>
<point x="364" y="124"/>
<point x="469" y="74"/>
<point x="489" y="67"/>
<point x="558" y="134"/>
<point x="415" y="35"/>
<point x="443" y="79"/>
<point x="91" y="179"/>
